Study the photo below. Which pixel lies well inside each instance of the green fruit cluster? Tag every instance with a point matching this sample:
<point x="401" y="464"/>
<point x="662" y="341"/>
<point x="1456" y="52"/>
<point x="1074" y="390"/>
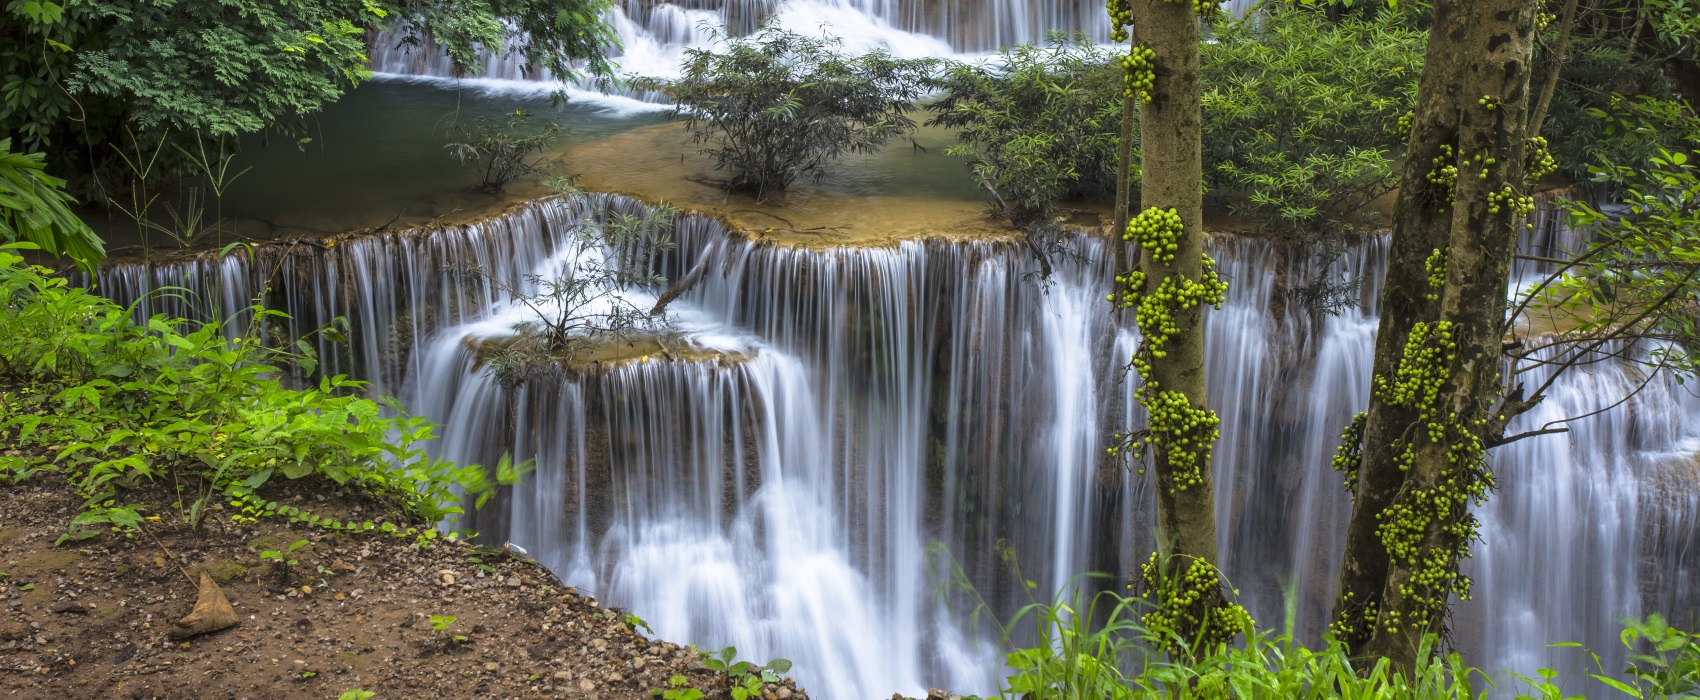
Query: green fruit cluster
<point x="1190" y="614"/>
<point x="1352" y="618"/>
<point x="1436" y="267"/>
<point x="1121" y="16"/>
<point x="1158" y="231"/>
<point x="1139" y="72"/>
<point x="1488" y="102"/>
<point x="1407" y="527"/>
<point x="1507" y="198"/>
<point x="1444" y="176"/>
<point x="1485" y="165"/>
<point x="1407" y="121"/>
<point x="1422" y="369"/>
<point x="1537" y="160"/>
<point x="1349" y="455"/>
<point x="1181" y="434"/>
<point x="1156" y="312"/>
<point x="1204" y="8"/>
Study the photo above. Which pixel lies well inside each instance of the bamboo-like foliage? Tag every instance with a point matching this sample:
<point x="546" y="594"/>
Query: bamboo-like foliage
<point x="779" y="106"/>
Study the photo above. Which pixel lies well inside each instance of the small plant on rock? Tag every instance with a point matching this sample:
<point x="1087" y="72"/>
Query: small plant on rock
<point x="746" y="678"/>
<point x="678" y="688"/>
<point x="441" y="623"/>
<point x="281" y="562"/>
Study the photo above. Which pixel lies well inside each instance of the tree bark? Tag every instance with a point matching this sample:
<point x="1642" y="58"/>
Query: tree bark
<point x="1411" y="521"/>
<point x="1172" y="177"/>
<point x="1422" y="220"/>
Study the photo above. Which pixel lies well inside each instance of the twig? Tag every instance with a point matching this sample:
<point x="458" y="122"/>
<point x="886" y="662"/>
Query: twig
<point x="168" y="555"/>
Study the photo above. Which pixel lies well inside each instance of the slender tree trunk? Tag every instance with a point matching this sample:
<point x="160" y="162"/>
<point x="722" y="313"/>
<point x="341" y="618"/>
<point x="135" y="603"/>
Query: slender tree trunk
<point x="1124" y="181"/>
<point x="1437" y="361"/>
<point x="1172" y="177"/>
<point x="1170" y="289"/>
<point x="1555" y="66"/>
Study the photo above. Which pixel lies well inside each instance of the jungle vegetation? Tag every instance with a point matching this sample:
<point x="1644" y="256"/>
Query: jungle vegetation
<point x="1456" y="113"/>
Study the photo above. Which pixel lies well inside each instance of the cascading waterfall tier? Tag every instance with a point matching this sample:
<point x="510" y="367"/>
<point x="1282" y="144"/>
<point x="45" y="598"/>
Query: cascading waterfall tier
<point x="876" y="418"/>
<point x="655" y="34"/>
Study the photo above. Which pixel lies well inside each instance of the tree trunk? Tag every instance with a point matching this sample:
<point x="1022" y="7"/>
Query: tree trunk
<point x="1170" y="288"/>
<point x="1422" y="221"/>
<point x="1124" y="181"/>
<point x="1555" y="66"/>
<point x="1437" y="360"/>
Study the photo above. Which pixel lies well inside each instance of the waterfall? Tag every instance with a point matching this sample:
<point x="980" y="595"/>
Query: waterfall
<point x="654" y="35"/>
<point x="781" y="488"/>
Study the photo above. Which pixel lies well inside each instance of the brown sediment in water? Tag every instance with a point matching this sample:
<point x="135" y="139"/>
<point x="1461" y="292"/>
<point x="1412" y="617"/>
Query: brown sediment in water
<point x="447" y="208"/>
<point x="659" y="163"/>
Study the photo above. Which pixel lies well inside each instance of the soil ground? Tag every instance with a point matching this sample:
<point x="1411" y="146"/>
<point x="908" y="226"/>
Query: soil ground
<point x="93" y="619"/>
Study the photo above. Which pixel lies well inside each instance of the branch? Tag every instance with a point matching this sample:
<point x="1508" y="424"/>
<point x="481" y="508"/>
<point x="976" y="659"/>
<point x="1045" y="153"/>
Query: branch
<point x="1555" y="66"/>
<point x="684" y="284"/>
<point x="1044" y="260"/>
<point x="1522" y="436"/>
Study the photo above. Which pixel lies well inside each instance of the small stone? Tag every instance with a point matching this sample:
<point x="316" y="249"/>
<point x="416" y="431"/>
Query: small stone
<point x="784" y="693"/>
<point x="491" y="666"/>
<point x="306" y="590"/>
<point x="562" y="675"/>
<point x="159" y="562"/>
<point x="515" y="582"/>
<point x="340" y="596"/>
<point x="585" y="685"/>
<point x="69" y="607"/>
<point x="599" y="643"/>
<point x="615" y="678"/>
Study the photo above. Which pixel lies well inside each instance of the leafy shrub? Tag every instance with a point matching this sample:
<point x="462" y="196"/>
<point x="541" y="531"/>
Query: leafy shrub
<point x="1302" y="117"/>
<point x="498" y="153"/>
<point x="1038" y="124"/>
<point x="111" y="403"/>
<point x="1617" y="50"/>
<point x="777" y="106"/>
<point x="33" y="209"/>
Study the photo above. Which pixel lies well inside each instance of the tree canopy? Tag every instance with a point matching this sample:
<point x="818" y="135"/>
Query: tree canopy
<point x="78" y="77"/>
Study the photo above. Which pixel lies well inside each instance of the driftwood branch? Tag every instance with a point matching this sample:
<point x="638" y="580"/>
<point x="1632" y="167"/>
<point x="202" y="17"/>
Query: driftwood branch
<point x="683" y="285"/>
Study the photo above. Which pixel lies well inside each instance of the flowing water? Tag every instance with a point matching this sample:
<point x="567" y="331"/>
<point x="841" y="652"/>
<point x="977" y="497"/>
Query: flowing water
<point x="853" y="424"/>
<point x="850" y="426"/>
